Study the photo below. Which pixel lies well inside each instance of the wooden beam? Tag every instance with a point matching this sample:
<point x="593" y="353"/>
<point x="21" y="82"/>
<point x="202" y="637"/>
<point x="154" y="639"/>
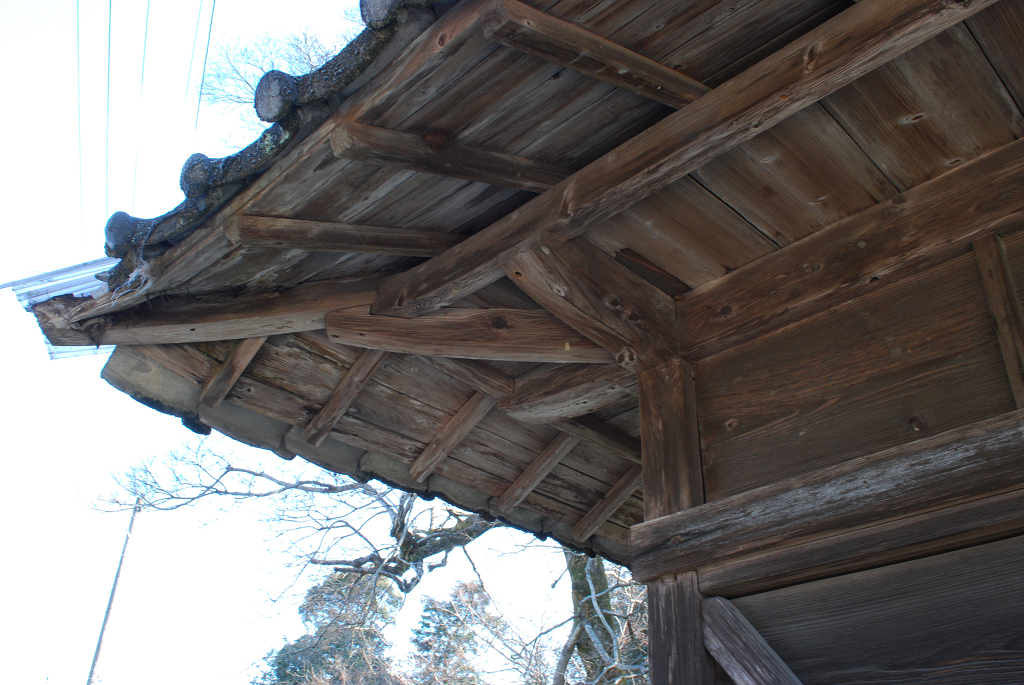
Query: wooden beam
<point x="524" y="28"/>
<point x="536" y="472"/>
<point x="888" y="242"/>
<point x="343" y="396"/>
<point x="830" y="56"/>
<point x="297" y="234"/>
<point x="435" y="154"/>
<point x="225" y="377"/>
<point x="609" y="504"/>
<point x="971" y="462"/>
<point x="739" y="649"/>
<point x="601" y="436"/>
<point x="1005" y="307"/>
<point x="475" y="374"/>
<point x="601" y="299"/>
<point x="673" y="471"/>
<point x="215" y="317"/>
<point x="508" y="334"/>
<point x="568" y="391"/>
<point x="676" y="649"/>
<point x="457" y="428"/>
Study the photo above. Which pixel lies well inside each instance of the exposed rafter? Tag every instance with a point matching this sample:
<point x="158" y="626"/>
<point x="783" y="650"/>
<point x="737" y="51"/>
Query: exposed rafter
<point x="225" y="377"/>
<point x="609" y="504"/>
<point x="454" y="432"/>
<point x="343" y="396"/>
<point x="536" y="472"/>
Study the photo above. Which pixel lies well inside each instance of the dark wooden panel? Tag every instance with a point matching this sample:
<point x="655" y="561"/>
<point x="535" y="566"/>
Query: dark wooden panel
<point x="951" y="619"/>
<point x="998" y="30"/>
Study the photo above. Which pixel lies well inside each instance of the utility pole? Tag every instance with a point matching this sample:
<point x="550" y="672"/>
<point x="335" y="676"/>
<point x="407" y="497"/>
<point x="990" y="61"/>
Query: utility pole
<point x="113" y="590"/>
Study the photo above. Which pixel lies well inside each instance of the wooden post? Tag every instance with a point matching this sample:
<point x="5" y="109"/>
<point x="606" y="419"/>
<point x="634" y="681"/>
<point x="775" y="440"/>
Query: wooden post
<point x="673" y="481"/>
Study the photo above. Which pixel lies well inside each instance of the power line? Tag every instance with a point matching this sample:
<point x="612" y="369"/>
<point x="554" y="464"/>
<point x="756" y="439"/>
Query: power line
<point x="142" y="85"/>
<point x="78" y="68"/>
<point x="192" y="59"/>
<point x="202" y="82"/>
<point x="110" y="20"/>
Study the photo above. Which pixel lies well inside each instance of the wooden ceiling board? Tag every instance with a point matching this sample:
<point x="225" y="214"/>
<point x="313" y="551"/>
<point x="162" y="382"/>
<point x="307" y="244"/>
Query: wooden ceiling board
<point x="998" y="31"/>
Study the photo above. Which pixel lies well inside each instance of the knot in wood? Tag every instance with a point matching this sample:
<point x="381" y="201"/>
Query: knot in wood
<point x="626" y="357"/>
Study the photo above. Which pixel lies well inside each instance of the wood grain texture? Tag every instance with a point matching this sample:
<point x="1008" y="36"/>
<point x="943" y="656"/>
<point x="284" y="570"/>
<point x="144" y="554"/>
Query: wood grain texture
<point x="889" y="241"/>
<point x="996" y="30"/>
<point x="828" y="57"/>
<point x="536" y="472"/>
<point x="225" y="377"/>
<point x="985" y="457"/>
<point x="739" y="649"/>
<point x="406" y="151"/>
<point x="451" y="435"/>
<point x="608" y="505"/>
<point x="524" y="28"/>
<point x="1005" y="307"/>
<point x="508" y="334"/>
<point x="933" y="532"/>
<point x="951" y="619"/>
<point x="673" y="470"/>
<point x="604" y="301"/>
<point x="476" y="374"/>
<point x="568" y="391"/>
<point x="296" y="234"/>
<point x="677" y="653"/>
<point x="602" y="436"/>
<point x="343" y="396"/>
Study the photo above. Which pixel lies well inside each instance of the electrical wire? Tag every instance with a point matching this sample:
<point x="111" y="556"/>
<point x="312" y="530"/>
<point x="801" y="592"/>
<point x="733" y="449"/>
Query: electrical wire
<point x="192" y="59"/>
<point x="142" y="85"/>
<point x="202" y="82"/>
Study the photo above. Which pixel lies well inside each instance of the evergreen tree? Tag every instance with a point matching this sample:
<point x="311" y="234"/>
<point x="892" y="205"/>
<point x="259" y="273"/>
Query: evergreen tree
<point x="447" y="639"/>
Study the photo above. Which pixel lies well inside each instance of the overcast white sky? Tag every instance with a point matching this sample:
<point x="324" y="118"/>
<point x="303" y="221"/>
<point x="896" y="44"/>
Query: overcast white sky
<point x="192" y="605"/>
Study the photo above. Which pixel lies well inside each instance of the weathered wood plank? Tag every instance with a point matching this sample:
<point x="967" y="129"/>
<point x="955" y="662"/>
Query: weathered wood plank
<point x="225" y="377"/>
<point x="830" y="56"/>
<point x="933" y="532"/>
<point x="524" y="28"/>
<point x="509" y="334"/>
<point x="435" y="154"/>
<point x="608" y="505"/>
<point x="985" y="457"/>
<point x="890" y="241"/>
<point x="601" y="299"/>
<point x="603" y="437"/>
<point x="475" y="374"/>
<point x="1005" y="308"/>
<point x="673" y="472"/>
<point x="296" y="234"/>
<point x="996" y="30"/>
<point x="568" y="391"/>
<point x="536" y="472"/>
<point x="739" y="649"/>
<point x="451" y="435"/>
<point x="677" y="654"/>
<point x="344" y="394"/>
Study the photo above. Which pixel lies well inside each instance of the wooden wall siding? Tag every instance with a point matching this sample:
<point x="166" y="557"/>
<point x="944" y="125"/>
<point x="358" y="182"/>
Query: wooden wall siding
<point x="953" y="619"/>
<point x="934" y="108"/>
<point x="917" y="358"/>
<point x="998" y="30"/>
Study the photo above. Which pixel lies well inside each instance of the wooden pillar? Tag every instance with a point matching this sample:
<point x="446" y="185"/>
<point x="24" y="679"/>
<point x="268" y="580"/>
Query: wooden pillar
<point x="673" y="481"/>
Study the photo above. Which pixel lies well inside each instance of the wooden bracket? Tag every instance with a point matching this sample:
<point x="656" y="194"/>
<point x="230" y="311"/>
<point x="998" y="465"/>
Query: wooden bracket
<point x="739" y="649"/>
<point x="567" y="391"/>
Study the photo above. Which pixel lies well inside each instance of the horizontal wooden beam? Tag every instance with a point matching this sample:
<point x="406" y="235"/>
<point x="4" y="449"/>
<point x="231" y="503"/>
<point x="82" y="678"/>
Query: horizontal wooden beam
<point x="830" y="56"/>
<point x="609" y="504"/>
<point x="739" y="649"/>
<point x="297" y="234"/>
<point x="508" y="334"/>
<point x="454" y="432"/>
<point x="568" y="391"/>
<point x="898" y="238"/>
<point x="601" y="436"/>
<point x="1001" y="293"/>
<point x="343" y="395"/>
<point x="215" y="317"/>
<point x="554" y="40"/>
<point x="435" y="154"/>
<point x="975" y="461"/>
<point x="598" y="297"/>
<point x="225" y="377"/>
<point x="536" y="472"/>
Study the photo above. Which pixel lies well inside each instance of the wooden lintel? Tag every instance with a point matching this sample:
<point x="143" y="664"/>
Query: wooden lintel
<point x="1005" y="307"/>
<point x="225" y="377"/>
<point x="343" y="396"/>
<point x="601" y="436"/>
<point x="506" y="334"/>
<point x="609" y="504"/>
<point x="898" y="238"/>
<point x="598" y="297"/>
<point x="536" y="472"/>
<point x="830" y="56"/>
<point x="435" y="154"/>
<point x="984" y="458"/>
<point x="542" y="35"/>
<point x="297" y="234"/>
<point x="567" y="391"/>
<point x="457" y="428"/>
<point x="739" y="649"/>
<point x="216" y="317"/>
